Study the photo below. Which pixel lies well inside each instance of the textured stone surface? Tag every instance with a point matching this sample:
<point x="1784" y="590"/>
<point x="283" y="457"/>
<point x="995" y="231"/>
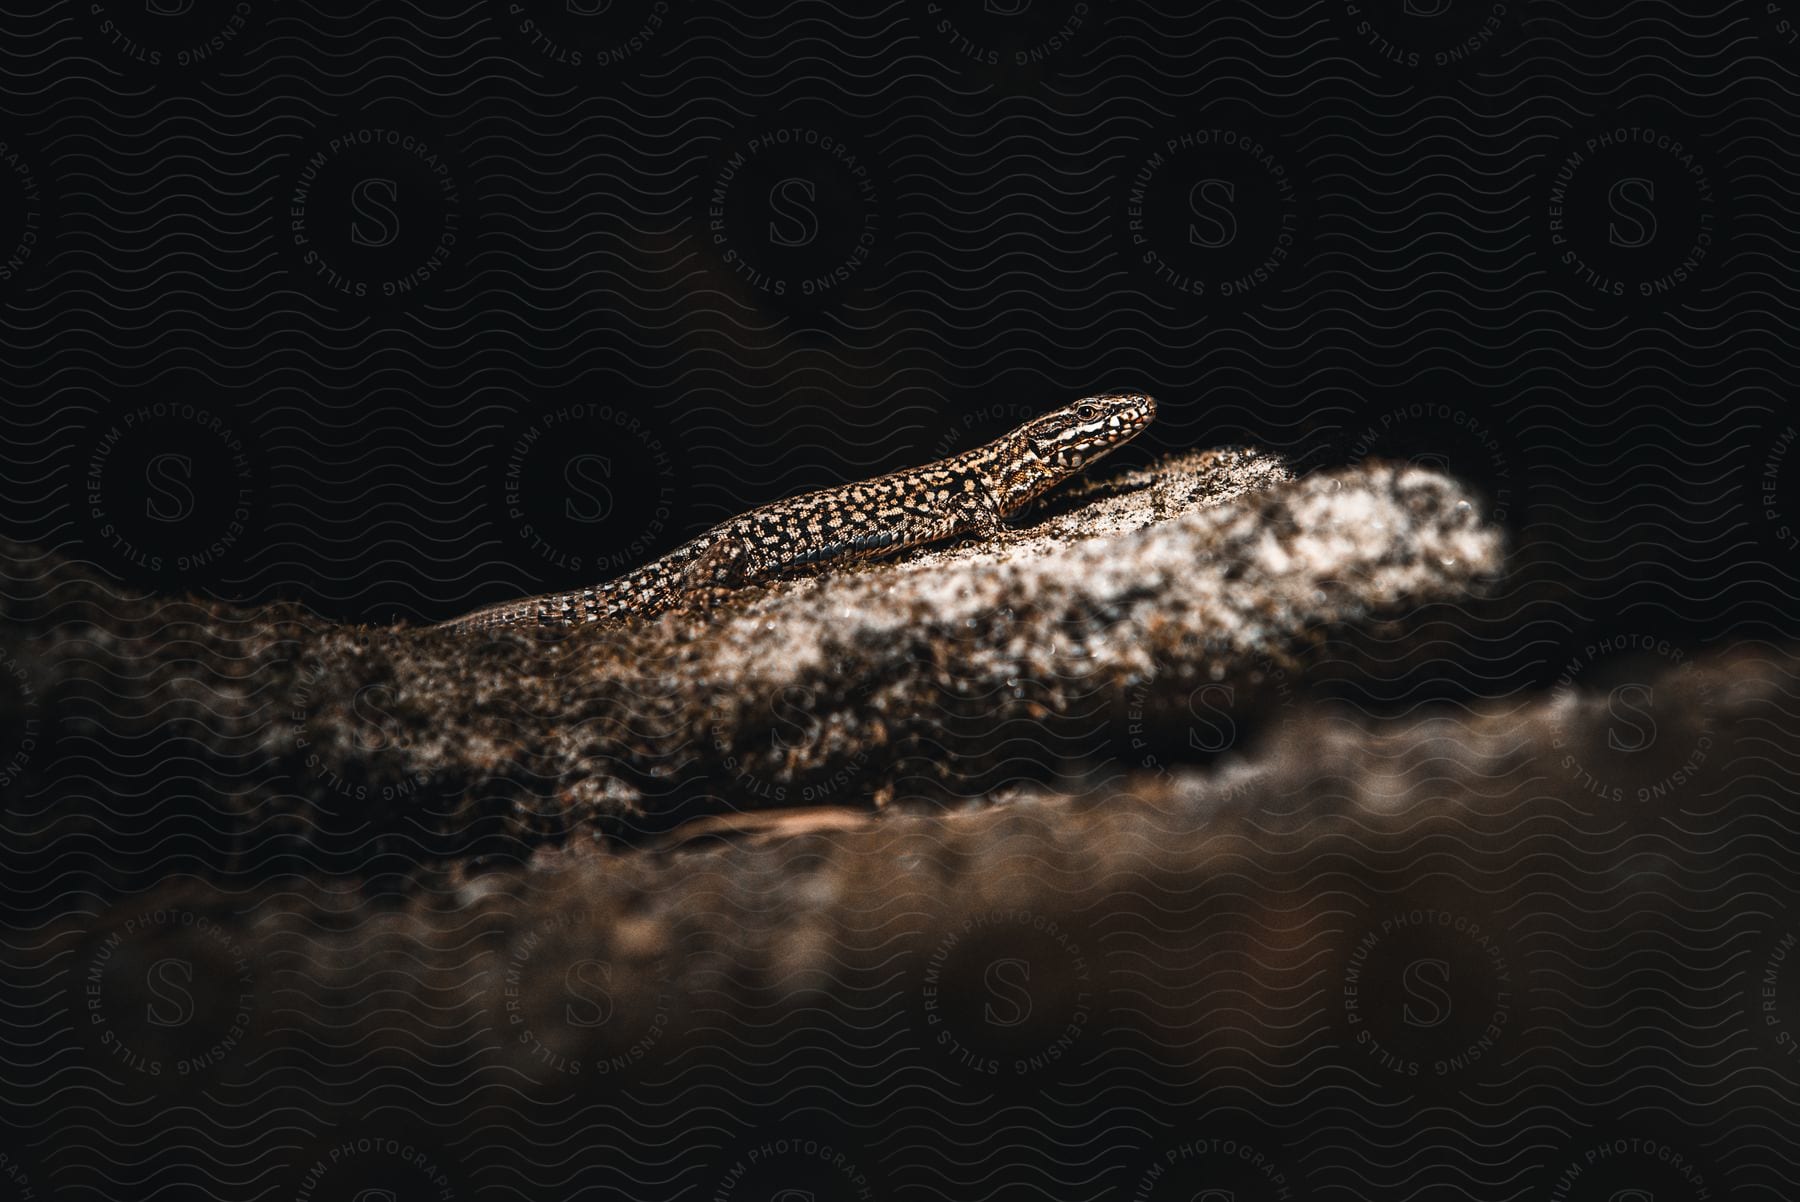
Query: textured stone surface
<point x="254" y="740"/>
<point x="1143" y="854"/>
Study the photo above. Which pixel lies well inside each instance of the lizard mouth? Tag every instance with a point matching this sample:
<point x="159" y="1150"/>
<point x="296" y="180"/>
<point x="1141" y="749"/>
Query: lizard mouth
<point x="1140" y="411"/>
<point x="1135" y="412"/>
<point x="1087" y="429"/>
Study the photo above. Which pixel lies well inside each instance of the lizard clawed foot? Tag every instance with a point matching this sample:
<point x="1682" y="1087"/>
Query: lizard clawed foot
<point x="713" y="577"/>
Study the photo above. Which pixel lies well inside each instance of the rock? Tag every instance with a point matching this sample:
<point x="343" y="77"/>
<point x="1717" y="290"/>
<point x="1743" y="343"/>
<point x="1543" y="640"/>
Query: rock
<point x="272" y="742"/>
<point x="1253" y="925"/>
<point x="981" y="846"/>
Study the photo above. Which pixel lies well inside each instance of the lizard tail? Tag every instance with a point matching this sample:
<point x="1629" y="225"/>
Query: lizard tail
<point x="640" y="593"/>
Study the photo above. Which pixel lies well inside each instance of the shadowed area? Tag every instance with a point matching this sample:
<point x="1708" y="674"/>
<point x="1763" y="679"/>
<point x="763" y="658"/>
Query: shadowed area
<point x="1142" y="812"/>
<point x="1362" y="918"/>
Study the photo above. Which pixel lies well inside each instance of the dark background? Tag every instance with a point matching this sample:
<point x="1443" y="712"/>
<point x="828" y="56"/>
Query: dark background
<point x="403" y="310"/>
<point x="1382" y="230"/>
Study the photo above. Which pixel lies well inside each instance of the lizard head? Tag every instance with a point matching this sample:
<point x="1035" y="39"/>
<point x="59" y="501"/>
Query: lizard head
<point x="1080" y="432"/>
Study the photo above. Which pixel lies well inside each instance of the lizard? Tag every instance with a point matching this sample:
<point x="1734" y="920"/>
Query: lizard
<point x="972" y="492"/>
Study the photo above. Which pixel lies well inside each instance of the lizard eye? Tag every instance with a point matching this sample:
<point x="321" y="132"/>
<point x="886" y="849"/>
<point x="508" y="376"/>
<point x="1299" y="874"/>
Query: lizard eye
<point x="1087" y="413"/>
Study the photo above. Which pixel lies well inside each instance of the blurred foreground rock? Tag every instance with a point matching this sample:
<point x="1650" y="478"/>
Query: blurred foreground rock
<point x="1506" y="910"/>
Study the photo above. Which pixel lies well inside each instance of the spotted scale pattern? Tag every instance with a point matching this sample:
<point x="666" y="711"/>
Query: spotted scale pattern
<point x="974" y="492"/>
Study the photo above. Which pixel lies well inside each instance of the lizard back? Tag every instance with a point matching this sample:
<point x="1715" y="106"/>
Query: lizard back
<point x="971" y="492"/>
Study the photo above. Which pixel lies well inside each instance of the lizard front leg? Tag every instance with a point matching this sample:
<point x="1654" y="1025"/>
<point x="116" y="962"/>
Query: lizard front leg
<point x="980" y="512"/>
<point x="714" y="574"/>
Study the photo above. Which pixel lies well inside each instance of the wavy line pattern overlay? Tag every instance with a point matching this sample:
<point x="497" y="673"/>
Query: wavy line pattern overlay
<point x="1461" y="870"/>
